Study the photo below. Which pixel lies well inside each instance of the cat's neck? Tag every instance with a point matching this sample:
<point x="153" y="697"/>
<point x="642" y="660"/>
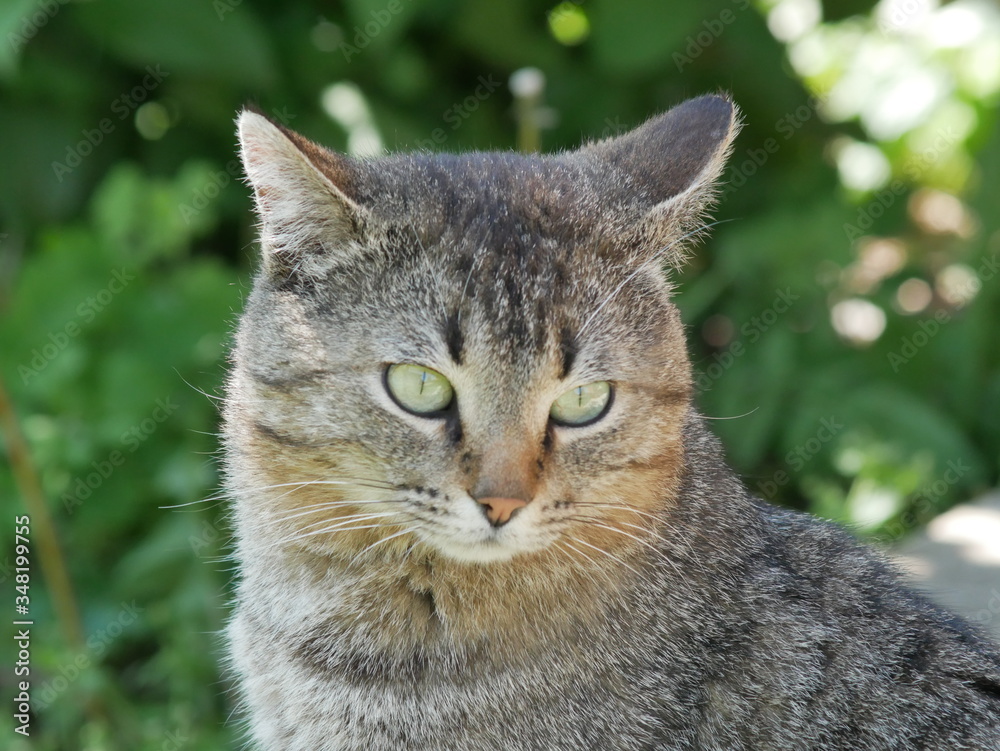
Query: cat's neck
<point x="426" y="602"/>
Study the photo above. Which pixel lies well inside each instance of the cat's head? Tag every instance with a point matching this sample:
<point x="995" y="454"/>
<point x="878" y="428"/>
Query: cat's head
<point x="475" y="354"/>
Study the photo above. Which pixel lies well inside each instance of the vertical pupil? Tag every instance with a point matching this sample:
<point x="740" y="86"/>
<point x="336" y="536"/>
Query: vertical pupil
<point x="579" y="396"/>
<point x="423" y="380"/>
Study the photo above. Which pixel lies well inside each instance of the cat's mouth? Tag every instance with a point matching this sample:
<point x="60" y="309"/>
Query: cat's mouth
<point x="504" y="531"/>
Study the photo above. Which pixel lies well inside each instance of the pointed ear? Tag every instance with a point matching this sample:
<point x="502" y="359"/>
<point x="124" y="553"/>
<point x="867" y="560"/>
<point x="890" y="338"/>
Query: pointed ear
<point x="662" y="174"/>
<point x="308" y="222"/>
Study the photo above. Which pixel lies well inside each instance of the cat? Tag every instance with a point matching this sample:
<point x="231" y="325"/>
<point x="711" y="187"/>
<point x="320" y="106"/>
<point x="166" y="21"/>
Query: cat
<point x="475" y="507"/>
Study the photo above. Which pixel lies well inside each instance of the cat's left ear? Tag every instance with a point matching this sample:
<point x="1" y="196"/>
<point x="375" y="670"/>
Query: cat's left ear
<point x="309" y="222"/>
<point x="659" y="179"/>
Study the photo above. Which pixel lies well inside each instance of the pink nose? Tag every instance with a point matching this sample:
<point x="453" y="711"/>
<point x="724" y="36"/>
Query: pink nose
<point x="500" y="510"/>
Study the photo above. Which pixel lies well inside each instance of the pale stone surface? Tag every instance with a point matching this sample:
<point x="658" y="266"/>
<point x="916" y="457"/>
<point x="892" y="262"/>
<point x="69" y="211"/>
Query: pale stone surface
<point x="956" y="560"/>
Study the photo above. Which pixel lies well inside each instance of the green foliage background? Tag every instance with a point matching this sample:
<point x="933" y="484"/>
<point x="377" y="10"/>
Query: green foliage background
<point x="126" y="247"/>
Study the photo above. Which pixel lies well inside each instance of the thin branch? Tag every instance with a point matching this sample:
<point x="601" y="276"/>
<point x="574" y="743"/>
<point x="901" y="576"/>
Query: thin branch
<point x="53" y="564"/>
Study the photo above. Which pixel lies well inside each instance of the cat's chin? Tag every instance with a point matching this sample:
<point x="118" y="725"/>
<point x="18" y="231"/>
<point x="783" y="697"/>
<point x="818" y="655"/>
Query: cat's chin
<point x="482" y="552"/>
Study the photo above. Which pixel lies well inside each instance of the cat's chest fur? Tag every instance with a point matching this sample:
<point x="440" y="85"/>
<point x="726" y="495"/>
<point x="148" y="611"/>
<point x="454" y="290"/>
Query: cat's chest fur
<point x="412" y="672"/>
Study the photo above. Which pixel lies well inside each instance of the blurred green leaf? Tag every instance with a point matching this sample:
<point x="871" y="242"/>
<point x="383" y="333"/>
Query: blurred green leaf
<point x="633" y="37"/>
<point x="222" y="40"/>
<point x="17" y="27"/>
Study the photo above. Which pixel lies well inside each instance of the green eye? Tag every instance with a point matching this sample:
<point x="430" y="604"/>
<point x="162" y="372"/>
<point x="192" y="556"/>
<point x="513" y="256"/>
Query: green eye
<point x="582" y="404"/>
<point x="418" y="389"/>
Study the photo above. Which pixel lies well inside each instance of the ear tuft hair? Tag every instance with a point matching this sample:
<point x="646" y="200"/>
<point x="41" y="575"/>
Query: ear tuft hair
<point x="308" y="222"/>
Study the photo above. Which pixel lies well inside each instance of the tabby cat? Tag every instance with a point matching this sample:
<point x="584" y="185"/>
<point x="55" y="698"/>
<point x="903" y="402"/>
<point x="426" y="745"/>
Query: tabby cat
<point x="476" y="508"/>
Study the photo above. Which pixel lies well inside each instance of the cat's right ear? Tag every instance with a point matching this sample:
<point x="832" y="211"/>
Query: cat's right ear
<point x="308" y="221"/>
<point x="659" y="180"/>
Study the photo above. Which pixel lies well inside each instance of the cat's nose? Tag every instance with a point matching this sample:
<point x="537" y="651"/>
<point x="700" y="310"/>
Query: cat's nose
<point x="500" y="510"/>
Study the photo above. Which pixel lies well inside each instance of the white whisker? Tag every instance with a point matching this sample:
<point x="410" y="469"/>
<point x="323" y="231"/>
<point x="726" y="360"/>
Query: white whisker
<point x="430" y="269"/>
<point x="227" y="494"/>
<point x="734" y="417"/>
<point x="655" y="258"/>
<point x="379" y="542"/>
<point x="622" y="506"/>
<point x="465" y="287"/>
<point x="660" y="522"/>
<point x="341" y="526"/>
<point x="317" y="507"/>
<point x="349" y="518"/>
<point x="612" y="556"/>
<point x="605" y="574"/>
<point x="641" y="541"/>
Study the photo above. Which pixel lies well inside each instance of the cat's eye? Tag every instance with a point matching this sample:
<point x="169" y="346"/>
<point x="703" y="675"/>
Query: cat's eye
<point x="582" y="405"/>
<point x="418" y="389"/>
